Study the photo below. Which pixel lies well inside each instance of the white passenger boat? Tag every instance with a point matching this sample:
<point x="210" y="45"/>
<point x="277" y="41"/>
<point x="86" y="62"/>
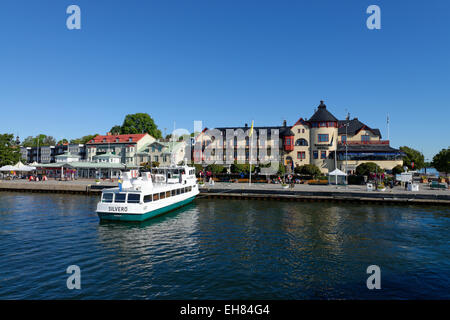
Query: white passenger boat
<point x="149" y="195"/>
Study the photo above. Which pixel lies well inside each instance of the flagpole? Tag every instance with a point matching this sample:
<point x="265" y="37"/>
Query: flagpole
<point x="250" y="157"/>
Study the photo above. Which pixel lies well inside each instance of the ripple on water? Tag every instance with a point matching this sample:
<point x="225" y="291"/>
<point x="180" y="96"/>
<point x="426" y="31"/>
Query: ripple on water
<point x="222" y="249"/>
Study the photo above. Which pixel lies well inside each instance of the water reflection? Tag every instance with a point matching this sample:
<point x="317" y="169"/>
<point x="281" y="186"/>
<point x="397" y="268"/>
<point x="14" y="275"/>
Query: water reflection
<point x="223" y="249"/>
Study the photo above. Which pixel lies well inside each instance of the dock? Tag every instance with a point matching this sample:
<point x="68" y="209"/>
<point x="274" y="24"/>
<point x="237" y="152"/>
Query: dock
<point x="256" y="191"/>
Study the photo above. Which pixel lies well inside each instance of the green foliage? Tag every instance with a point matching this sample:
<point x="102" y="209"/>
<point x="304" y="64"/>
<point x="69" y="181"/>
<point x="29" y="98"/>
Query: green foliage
<point x="216" y="168"/>
<point x="364" y="169"/>
<point x="9" y="152"/>
<point x="241" y="167"/>
<point x="63" y="141"/>
<point x="397" y="169"/>
<point x="40" y="140"/>
<point x="308" y="169"/>
<point x="84" y="139"/>
<point x="441" y="161"/>
<point x="116" y="129"/>
<point x="140" y="123"/>
<point x="415" y="156"/>
<point x="155" y="164"/>
<point x="281" y="169"/>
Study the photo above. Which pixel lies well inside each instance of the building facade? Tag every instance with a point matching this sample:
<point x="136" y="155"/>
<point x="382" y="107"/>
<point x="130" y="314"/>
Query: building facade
<point x="125" y="146"/>
<point x="322" y="140"/>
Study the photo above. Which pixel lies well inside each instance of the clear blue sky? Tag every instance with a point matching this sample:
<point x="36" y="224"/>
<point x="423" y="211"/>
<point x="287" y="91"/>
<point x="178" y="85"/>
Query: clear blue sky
<point x="225" y="62"/>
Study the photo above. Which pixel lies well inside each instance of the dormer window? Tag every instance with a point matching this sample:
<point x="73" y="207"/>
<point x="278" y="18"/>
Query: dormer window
<point x="130" y="139"/>
<point x="117" y="139"/>
<point x="104" y="139"/>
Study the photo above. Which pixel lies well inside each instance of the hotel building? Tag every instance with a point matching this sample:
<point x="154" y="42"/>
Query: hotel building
<point x="322" y="140"/>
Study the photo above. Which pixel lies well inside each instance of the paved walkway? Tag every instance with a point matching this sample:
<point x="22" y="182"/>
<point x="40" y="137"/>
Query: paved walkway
<point x="423" y="188"/>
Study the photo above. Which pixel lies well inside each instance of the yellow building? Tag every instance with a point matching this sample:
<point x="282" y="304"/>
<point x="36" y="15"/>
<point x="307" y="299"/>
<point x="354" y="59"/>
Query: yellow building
<point x="323" y="138"/>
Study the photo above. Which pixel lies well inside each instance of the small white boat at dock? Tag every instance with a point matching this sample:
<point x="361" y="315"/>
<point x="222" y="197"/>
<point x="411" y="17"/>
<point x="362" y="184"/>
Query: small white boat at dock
<point x="139" y="198"/>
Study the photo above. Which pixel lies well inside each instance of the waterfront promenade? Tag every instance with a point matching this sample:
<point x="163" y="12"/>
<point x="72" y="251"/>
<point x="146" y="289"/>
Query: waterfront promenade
<point x="261" y="191"/>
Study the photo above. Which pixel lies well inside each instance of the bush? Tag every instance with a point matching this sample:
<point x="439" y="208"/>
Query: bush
<point x="397" y="169"/>
<point x="364" y="169"/>
<point x="241" y="167"/>
<point x="216" y="168"/>
<point x="308" y="170"/>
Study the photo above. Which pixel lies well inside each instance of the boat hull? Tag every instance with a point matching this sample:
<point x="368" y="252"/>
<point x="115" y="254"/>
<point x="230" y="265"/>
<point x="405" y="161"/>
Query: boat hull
<point x="144" y="216"/>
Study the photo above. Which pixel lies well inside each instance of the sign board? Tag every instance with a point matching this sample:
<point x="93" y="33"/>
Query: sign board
<point x="404" y="177"/>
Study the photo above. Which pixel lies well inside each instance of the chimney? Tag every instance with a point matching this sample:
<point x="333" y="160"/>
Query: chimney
<point x="284" y="123"/>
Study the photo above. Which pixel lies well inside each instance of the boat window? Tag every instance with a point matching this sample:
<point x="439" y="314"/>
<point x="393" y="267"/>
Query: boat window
<point x="108" y="197"/>
<point x="178" y="191"/>
<point x="174" y="193"/>
<point x="167" y="194"/>
<point x="162" y="195"/>
<point x="156" y="196"/>
<point x="189" y="189"/>
<point x="148" y="198"/>
<point x="134" y="198"/>
<point x="120" y="197"/>
<point x="182" y="190"/>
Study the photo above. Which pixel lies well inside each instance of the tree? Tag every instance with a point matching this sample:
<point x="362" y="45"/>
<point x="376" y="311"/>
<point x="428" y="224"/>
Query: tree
<point x="84" y="139"/>
<point x="116" y="129"/>
<point x="397" y="169"/>
<point x="411" y="156"/>
<point x="49" y="141"/>
<point x="63" y="141"/>
<point x="364" y="169"/>
<point x="308" y="170"/>
<point x="140" y="123"/>
<point x="441" y="161"/>
<point x="9" y="152"/>
<point x="40" y="140"/>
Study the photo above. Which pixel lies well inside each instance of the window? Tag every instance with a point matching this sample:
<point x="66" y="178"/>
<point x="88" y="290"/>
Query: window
<point x="323" y="124"/>
<point x="301" y="155"/>
<point x="174" y="193"/>
<point x="182" y="190"/>
<point x="322" y="137"/>
<point x="167" y="194"/>
<point x="344" y="139"/>
<point x="299" y="130"/>
<point x="155" y="197"/>
<point x="162" y="195"/>
<point x="108" y="197"/>
<point x="330" y="124"/>
<point x="120" y="197"/>
<point x="303" y="130"/>
<point x="148" y="198"/>
<point x="316" y="154"/>
<point x="323" y="154"/>
<point x="301" y="142"/>
<point x="134" y="198"/>
<point x="365" y="138"/>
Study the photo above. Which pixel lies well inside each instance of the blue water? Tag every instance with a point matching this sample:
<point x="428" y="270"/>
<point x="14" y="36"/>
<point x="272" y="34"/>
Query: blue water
<point x="223" y="249"/>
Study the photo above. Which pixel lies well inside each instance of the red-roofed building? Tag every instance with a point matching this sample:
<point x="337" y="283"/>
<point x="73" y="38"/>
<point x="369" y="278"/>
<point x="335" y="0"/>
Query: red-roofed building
<point x="124" y="145"/>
